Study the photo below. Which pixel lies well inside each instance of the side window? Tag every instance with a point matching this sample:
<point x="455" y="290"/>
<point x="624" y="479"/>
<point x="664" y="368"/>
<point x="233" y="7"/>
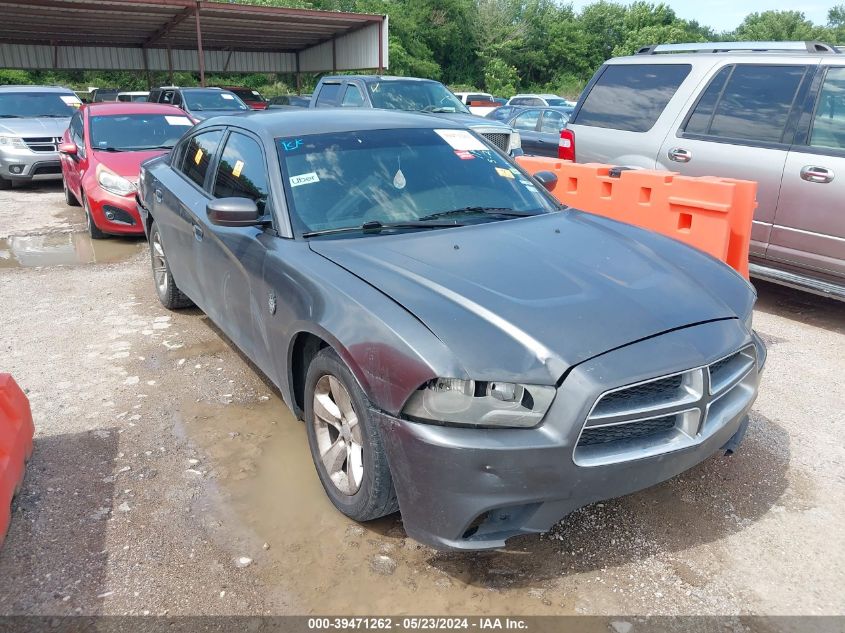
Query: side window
<point x="177" y="98"/>
<point x="527" y="120"/>
<point x="328" y="94"/>
<point x="631" y="97"/>
<point x="536" y="102"/>
<point x="77" y="133"/>
<point x="352" y="97"/>
<point x="829" y="120"/>
<point x="553" y="122"/>
<point x="754" y="103"/>
<point x="519" y="101"/>
<point x="242" y="172"/>
<point x="199" y="151"/>
<point x="702" y="116"/>
<point x="167" y="96"/>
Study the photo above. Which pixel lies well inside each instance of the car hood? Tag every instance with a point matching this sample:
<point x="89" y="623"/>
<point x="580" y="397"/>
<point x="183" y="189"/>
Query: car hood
<point x="470" y="120"/>
<point x="126" y="164"/>
<point x="34" y="127"/>
<point x="526" y="299"/>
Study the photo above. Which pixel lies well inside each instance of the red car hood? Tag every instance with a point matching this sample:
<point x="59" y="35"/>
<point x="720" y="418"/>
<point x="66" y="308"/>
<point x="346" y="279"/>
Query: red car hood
<point x="126" y="164"/>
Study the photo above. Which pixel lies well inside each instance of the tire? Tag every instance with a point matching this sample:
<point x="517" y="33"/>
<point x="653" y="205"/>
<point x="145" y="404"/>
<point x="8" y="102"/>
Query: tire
<point x="361" y="494"/>
<point x="93" y="229"/>
<point x="5" y="185"/>
<point x="70" y="198"/>
<point x="168" y="292"/>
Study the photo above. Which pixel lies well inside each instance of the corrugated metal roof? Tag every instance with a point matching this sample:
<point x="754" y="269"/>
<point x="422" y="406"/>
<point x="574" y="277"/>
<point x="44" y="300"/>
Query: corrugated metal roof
<point x="111" y="34"/>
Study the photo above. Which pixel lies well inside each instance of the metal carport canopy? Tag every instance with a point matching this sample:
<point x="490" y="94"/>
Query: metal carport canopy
<point x="186" y="35"/>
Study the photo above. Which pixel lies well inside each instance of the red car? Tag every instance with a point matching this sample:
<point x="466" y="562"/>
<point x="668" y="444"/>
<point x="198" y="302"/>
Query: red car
<point x="102" y="152"/>
<point x="249" y="96"/>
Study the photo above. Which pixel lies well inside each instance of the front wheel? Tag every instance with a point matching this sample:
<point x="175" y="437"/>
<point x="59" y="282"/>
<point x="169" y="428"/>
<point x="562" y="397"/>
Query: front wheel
<point x="93" y="230"/>
<point x="168" y="292"/>
<point x="345" y="442"/>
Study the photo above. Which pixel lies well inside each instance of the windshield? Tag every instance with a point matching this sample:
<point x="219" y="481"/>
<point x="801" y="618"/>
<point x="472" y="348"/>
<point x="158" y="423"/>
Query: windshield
<point x="556" y="102"/>
<point x="401" y="175"/>
<point x="425" y="96"/>
<point x="213" y="100"/>
<point x="37" y="104"/>
<point x="137" y="132"/>
<point x="246" y="94"/>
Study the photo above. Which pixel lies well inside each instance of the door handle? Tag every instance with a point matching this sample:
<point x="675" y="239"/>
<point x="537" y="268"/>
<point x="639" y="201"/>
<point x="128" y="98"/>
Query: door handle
<point x="812" y="173"/>
<point x="158" y="195"/>
<point x="680" y="155"/>
<point x="198" y="233"/>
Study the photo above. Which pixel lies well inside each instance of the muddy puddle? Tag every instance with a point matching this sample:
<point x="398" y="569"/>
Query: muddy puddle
<point x="65" y="249"/>
<point x="262" y="488"/>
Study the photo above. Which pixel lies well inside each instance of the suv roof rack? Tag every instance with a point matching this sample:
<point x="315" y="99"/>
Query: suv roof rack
<point x="725" y="47"/>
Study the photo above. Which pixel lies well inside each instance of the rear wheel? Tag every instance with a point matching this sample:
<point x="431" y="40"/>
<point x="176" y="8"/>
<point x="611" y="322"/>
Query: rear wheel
<point x="345" y="442"/>
<point x="93" y="230"/>
<point x="168" y="292"/>
<point x="70" y="198"/>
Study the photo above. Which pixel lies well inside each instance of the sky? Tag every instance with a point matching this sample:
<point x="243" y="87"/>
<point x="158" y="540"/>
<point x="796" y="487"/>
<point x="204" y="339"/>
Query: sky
<point x="726" y="15"/>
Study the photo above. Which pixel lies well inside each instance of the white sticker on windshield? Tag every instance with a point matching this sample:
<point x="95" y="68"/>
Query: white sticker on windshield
<point x="178" y="120"/>
<point x="462" y="140"/>
<point x="229" y="97"/>
<point x="70" y="100"/>
<point x="304" y="179"/>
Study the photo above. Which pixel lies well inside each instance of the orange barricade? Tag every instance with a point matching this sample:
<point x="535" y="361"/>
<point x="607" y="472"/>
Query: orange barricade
<point x="16" y="431"/>
<point x="712" y="214"/>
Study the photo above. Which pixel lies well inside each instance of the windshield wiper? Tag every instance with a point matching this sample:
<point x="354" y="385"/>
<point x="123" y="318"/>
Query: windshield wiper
<point x="109" y="149"/>
<point x="10" y="116"/>
<point x="51" y="116"/>
<point x="500" y="211"/>
<point x="146" y="149"/>
<point x="374" y="226"/>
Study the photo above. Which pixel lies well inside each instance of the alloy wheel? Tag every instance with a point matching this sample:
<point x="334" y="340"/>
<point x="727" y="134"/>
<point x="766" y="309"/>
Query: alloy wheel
<point x="160" y="273"/>
<point x="338" y="433"/>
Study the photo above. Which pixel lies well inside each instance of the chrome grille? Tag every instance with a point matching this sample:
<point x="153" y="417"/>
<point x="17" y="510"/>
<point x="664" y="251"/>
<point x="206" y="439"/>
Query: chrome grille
<point x="668" y="412"/>
<point x="499" y="139"/>
<point x="42" y="143"/>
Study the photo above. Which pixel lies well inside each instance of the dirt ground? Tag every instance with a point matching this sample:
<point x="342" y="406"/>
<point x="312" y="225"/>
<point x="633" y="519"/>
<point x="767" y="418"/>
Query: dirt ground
<point x="168" y="477"/>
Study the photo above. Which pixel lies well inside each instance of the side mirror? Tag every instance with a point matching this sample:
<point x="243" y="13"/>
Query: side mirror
<point x="546" y="178"/>
<point x="233" y="212"/>
<point x="68" y="149"/>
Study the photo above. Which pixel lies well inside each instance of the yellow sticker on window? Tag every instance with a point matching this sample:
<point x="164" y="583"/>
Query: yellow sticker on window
<point x="198" y="156"/>
<point x="504" y="173"/>
<point x="236" y="172"/>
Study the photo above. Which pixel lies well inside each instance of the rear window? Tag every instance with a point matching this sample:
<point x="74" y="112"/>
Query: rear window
<point x="631" y="97"/>
<point x="328" y="94"/>
<point x="747" y="102"/>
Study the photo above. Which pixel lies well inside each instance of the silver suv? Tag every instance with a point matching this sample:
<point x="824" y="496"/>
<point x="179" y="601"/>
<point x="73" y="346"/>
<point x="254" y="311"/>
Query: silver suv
<point x="32" y="122"/>
<point x="773" y="112"/>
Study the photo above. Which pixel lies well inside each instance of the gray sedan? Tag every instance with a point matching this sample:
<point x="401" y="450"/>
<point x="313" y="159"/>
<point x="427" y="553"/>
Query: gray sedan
<point x="460" y="347"/>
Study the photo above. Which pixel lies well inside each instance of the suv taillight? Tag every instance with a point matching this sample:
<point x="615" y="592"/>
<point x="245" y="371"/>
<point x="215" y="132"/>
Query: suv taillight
<point x="566" y="145"/>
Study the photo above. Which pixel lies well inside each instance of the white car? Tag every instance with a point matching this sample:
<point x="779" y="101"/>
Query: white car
<point x="539" y="100"/>
<point x="468" y="97"/>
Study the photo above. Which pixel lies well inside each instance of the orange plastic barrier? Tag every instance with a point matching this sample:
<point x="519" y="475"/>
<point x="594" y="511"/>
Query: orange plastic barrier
<point x="16" y="431"/>
<point x="711" y="214"/>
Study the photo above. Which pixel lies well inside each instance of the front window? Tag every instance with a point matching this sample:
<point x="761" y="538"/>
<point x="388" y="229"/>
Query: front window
<point x="417" y="96"/>
<point x="380" y="177"/>
<point x="200" y="100"/>
<point x="25" y="105"/>
<point x="137" y="132"/>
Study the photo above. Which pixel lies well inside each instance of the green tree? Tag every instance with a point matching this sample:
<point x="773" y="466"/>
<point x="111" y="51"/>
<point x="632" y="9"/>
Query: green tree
<point x="780" y="26"/>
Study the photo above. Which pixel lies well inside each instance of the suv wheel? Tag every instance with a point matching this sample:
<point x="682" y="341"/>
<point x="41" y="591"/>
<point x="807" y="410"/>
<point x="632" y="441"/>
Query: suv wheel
<point x="345" y="442"/>
<point x="168" y="292"/>
<point x="70" y="198"/>
<point x="93" y="229"/>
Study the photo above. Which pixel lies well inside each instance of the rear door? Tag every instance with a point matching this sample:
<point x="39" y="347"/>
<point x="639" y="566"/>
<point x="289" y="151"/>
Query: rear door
<point x="809" y="226"/>
<point x="180" y="198"/>
<point x="548" y="136"/>
<point x="526" y="123"/>
<point x="741" y="126"/>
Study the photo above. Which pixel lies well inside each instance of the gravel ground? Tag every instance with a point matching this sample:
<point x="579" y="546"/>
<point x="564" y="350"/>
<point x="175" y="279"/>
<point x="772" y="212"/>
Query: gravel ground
<point x="168" y="477"/>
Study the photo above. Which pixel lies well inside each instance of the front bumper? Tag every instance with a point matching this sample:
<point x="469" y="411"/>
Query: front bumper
<point x="113" y="214"/>
<point x="464" y="488"/>
<point x="26" y="165"/>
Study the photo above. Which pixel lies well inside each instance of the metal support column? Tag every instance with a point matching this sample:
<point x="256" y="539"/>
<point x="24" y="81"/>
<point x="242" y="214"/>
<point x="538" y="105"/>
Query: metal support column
<point x="200" y="53"/>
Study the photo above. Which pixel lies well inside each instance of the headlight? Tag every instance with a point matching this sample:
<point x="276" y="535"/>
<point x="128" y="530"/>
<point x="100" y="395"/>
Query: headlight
<point x="113" y="183"/>
<point x="516" y="141"/>
<point x="477" y="403"/>
<point x="12" y="141"/>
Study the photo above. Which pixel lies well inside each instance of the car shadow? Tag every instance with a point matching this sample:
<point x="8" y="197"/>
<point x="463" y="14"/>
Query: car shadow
<point x="718" y="498"/>
<point x="56" y="544"/>
<point x="797" y="305"/>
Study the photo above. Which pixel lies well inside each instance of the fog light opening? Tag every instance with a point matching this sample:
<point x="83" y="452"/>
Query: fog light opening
<point x="476" y="523"/>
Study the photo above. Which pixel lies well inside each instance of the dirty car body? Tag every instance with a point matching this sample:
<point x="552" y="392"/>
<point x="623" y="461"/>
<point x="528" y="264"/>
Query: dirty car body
<point x="516" y="363"/>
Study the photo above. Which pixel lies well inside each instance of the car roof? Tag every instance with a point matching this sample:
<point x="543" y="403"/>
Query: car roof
<point x="330" y="120"/>
<point x="116" y="108"/>
<point x="740" y="56"/>
<point x="373" y="78"/>
<point x="26" y="88"/>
